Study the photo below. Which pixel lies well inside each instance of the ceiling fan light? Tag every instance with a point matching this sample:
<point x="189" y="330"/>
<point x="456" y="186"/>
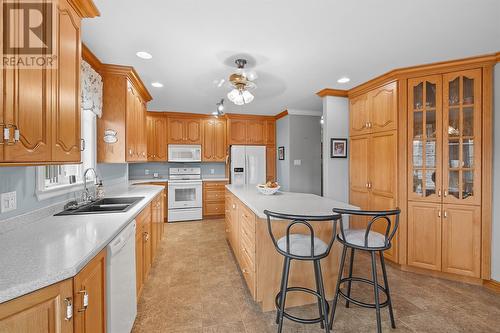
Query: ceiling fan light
<point x="247" y="96"/>
<point x="233" y="95"/>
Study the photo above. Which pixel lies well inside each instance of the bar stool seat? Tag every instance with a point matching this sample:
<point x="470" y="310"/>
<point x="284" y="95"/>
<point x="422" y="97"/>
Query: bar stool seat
<point x="300" y="245"/>
<point x="357" y="237"/>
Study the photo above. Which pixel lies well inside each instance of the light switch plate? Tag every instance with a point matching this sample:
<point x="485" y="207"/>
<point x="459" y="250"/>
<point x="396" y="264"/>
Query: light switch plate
<point x="8" y="201"/>
<point x="212" y="171"/>
<point x="146" y="172"/>
<point x="297" y="162"/>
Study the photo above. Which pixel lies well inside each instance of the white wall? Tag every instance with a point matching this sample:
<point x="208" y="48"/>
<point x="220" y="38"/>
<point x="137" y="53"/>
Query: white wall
<point x="495" y="244"/>
<point x="335" y="170"/>
<point x="283" y="140"/>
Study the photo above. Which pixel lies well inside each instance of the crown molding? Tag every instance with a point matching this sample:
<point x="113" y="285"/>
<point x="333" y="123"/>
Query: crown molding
<point x="90" y="57"/>
<point x="131" y="74"/>
<point x="497" y="56"/>
<point x="281" y="115"/>
<point x="85" y="8"/>
<point x="248" y="116"/>
<point x="332" y="92"/>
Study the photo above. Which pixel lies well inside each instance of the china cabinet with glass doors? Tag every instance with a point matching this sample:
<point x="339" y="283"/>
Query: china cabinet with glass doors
<point x="444" y="147"/>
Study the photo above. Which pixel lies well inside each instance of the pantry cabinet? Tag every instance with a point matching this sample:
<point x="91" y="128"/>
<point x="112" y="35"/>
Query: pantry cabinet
<point x="40" y="114"/>
<point x="157" y="138"/>
<point x="184" y="130"/>
<point x="214" y="145"/>
<point x="89" y="295"/>
<point x="121" y="131"/>
<point x="271" y="163"/>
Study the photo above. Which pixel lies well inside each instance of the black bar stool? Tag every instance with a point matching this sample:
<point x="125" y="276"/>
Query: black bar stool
<point x="296" y="246"/>
<point x="373" y="242"/>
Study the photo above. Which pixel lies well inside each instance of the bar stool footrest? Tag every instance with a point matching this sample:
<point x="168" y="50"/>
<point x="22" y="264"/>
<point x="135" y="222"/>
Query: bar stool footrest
<point x="360" y="303"/>
<point x="297" y="319"/>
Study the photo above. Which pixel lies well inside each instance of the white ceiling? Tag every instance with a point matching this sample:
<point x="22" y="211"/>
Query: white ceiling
<point x="298" y="47"/>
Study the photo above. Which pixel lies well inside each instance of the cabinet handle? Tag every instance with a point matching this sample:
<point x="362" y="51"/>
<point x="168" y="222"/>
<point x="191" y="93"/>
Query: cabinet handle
<point x="366" y="125"/>
<point x="439" y="193"/>
<point x="366" y="185"/>
<point x="369" y="125"/>
<point x="146" y="236"/>
<point x="439" y="213"/>
<point x="85" y="300"/>
<point x="69" y="308"/>
<point x="17" y="135"/>
<point x="445" y="214"/>
<point x="245" y="271"/>
<point x="445" y="193"/>
<point x="82" y="144"/>
<point x="234" y="206"/>
<point x="130" y="152"/>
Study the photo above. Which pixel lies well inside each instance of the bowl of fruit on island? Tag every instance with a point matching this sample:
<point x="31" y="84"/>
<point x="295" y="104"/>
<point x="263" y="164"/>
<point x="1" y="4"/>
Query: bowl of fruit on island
<point x="268" y="188"/>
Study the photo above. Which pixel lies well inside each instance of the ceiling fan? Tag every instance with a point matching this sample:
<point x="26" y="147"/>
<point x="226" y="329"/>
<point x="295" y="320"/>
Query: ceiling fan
<point x="241" y="81"/>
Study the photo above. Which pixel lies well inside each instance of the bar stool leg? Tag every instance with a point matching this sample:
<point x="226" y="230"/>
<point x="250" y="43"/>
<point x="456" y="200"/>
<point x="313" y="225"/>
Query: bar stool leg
<point x="281" y="288"/>
<point x="283" y="294"/>
<point x="375" y="290"/>
<point x="351" y="262"/>
<point x="336" y="298"/>
<point x="386" y="286"/>
<point x="324" y="313"/>
<point x="318" y="290"/>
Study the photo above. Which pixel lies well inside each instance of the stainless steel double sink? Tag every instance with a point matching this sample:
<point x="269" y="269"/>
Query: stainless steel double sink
<point x="103" y="206"/>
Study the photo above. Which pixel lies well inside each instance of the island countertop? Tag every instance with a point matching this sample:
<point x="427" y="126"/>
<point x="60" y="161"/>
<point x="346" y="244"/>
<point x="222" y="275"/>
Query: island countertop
<point x="285" y="202"/>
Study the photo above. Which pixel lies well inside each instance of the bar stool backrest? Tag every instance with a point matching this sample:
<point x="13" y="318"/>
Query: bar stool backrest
<point x="301" y="220"/>
<point x="376" y="215"/>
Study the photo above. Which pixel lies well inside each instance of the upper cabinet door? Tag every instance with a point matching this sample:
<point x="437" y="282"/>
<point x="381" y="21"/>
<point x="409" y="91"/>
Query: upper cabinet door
<point x="208" y="140"/>
<point x="66" y="113"/>
<point x="237" y="132"/>
<point x="175" y="130"/>
<point x="193" y="131"/>
<point x="271" y="163"/>
<point x="359" y="115"/>
<point x="220" y="145"/>
<point x="255" y="132"/>
<point x="383" y="104"/>
<point x="131" y="126"/>
<point x="160" y="131"/>
<point x="424" y="138"/>
<point x="462" y="137"/>
<point x="382" y="171"/>
<point x="270" y="132"/>
<point x="151" y="139"/>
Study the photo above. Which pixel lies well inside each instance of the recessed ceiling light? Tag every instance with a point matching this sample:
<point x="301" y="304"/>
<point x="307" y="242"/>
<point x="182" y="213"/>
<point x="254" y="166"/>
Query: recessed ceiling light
<point x="144" y="55"/>
<point x="343" y="79"/>
<point x="157" y="84"/>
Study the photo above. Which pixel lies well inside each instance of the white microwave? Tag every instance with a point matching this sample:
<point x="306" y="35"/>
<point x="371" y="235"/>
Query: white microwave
<point x="184" y="153"/>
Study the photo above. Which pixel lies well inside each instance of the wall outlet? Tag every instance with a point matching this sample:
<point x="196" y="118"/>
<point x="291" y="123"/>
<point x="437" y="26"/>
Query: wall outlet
<point x="212" y="171"/>
<point x="297" y="162"/>
<point x="8" y="201"/>
<point x="146" y="172"/>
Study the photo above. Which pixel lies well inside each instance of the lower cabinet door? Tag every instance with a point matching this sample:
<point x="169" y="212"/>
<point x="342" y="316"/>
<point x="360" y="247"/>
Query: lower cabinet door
<point x="462" y="240"/>
<point x="424" y="235"/>
<point x="42" y="311"/>
<point x="146" y="248"/>
<point x="139" y="275"/>
<point x="89" y="294"/>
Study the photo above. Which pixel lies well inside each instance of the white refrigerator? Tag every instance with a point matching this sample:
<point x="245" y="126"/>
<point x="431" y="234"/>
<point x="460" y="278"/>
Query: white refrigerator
<point x="248" y="165"/>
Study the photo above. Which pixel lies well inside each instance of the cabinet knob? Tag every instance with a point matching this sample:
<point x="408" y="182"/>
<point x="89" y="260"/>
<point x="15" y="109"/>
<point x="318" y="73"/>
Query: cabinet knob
<point x="130" y="152"/>
<point x="69" y="308"/>
<point x="439" y="193"/>
<point x="445" y="193"/>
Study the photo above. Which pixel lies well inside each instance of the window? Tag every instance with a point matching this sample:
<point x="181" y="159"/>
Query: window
<point x="54" y="180"/>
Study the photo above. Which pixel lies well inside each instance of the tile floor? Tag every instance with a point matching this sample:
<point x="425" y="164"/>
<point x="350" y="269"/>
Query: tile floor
<point x="195" y="286"/>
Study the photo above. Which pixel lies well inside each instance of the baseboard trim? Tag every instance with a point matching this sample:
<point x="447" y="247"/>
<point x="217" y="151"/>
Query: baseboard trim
<point x="492" y="285"/>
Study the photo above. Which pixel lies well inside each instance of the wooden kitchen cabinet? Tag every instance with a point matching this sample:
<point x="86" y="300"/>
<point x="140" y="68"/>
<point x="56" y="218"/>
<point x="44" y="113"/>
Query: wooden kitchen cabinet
<point x="43" y="104"/>
<point x="214" y="140"/>
<point x="89" y="294"/>
<point x="270" y="126"/>
<point x="124" y="111"/>
<point x="139" y="258"/>
<point x="156" y="137"/>
<point x="237" y="131"/>
<point x="184" y="130"/>
<point x="147" y="241"/>
<point x="42" y="311"/>
<point x="213" y="198"/>
<point x="270" y="163"/>
<point x="374" y="111"/>
<point x="255" y="132"/>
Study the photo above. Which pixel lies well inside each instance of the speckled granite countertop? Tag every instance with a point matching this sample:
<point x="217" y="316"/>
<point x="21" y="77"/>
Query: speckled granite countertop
<point x="56" y="248"/>
<point x="285" y="202"/>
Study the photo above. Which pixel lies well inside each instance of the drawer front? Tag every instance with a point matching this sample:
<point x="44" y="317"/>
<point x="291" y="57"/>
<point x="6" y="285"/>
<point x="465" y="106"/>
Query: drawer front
<point x="247" y="220"/>
<point x="213" y="208"/>
<point x="215" y="185"/>
<point x="214" y="195"/>
<point x="248" y="270"/>
<point x="247" y="245"/>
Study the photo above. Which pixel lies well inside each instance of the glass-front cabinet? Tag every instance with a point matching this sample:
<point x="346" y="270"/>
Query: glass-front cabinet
<point x="425" y="138"/>
<point x="462" y="137"/>
<point x="444" y="132"/>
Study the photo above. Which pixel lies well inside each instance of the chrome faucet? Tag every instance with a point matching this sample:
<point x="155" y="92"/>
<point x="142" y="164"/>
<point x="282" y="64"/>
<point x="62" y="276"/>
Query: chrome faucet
<point x="87" y="197"/>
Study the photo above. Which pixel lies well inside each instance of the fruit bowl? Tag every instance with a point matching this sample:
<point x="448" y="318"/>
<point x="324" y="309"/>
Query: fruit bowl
<point x="268" y="188"/>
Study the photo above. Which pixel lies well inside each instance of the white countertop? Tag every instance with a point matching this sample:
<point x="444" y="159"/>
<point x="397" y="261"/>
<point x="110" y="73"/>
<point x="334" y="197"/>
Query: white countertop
<point x="285" y="202"/>
<point x="56" y="248"/>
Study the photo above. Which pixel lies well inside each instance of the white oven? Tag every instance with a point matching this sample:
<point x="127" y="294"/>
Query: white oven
<point x="184" y="194"/>
<point x="184" y="153"/>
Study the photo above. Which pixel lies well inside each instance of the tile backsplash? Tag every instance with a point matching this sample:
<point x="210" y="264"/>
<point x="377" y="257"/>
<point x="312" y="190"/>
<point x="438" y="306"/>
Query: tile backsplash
<point x="138" y="170"/>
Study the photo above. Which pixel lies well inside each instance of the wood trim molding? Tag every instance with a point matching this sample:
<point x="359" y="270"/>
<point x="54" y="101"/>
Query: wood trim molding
<point x="85" y="8"/>
<point x="492" y="285"/>
<point x="332" y="92"/>
<point x="248" y="116"/>
<point x="90" y="57"/>
<point x="281" y="115"/>
<point x="497" y="56"/>
<point x="131" y="74"/>
<point x="178" y="114"/>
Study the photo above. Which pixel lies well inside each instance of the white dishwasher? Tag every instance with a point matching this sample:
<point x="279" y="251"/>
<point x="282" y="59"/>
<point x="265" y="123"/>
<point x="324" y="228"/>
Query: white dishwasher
<point x="120" y="282"/>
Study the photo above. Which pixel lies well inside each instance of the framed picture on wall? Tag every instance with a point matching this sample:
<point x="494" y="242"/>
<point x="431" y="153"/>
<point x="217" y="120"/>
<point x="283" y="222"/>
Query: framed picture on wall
<point x="338" y="148"/>
<point x="281" y="153"/>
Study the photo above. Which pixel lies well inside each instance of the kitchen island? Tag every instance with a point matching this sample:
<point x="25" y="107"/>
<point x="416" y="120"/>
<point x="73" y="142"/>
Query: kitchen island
<point x="260" y="263"/>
